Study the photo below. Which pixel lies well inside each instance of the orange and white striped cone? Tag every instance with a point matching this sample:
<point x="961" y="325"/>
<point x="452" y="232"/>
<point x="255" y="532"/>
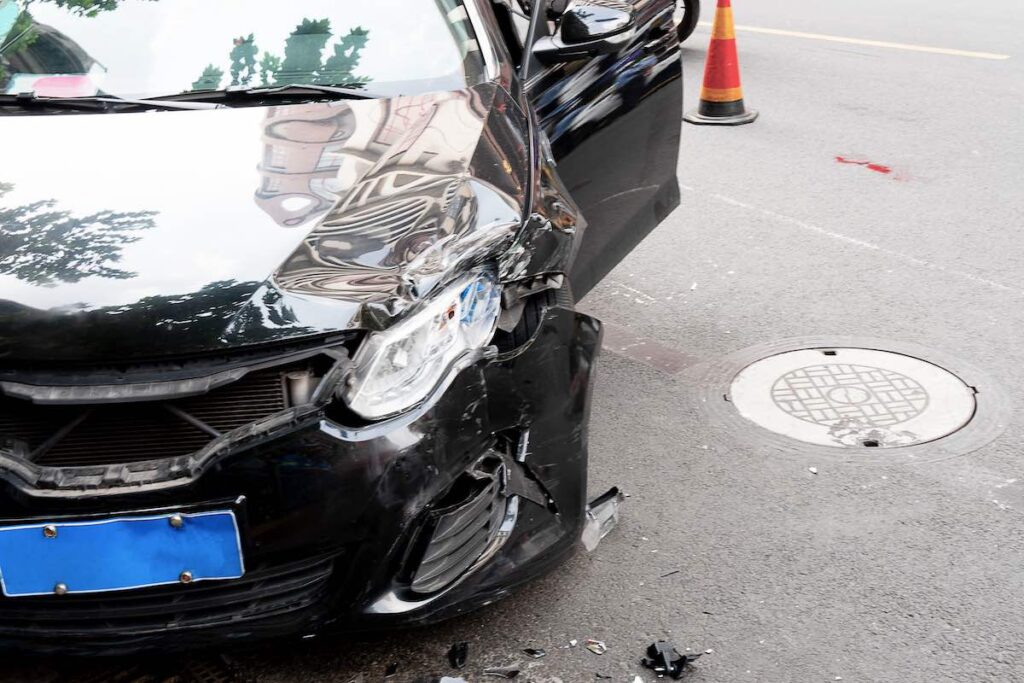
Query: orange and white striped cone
<point x="721" y="97"/>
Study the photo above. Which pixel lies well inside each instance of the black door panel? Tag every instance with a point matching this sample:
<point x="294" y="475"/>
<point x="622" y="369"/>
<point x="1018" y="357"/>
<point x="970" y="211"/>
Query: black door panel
<point x="614" y="125"/>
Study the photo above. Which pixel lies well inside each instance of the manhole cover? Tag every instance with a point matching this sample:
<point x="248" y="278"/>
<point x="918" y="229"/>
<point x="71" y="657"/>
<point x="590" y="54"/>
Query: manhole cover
<point x="853" y="398"/>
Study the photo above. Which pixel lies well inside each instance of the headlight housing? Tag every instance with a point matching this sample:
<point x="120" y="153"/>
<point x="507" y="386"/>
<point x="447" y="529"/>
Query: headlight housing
<point x="396" y="369"/>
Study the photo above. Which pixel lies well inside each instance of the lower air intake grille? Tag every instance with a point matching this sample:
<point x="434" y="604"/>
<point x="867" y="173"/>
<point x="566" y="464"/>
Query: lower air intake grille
<point x="262" y="593"/>
<point x="111" y="434"/>
<point x="460" y="532"/>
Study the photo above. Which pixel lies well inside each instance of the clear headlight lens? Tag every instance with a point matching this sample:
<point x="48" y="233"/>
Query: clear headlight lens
<point x="399" y="367"/>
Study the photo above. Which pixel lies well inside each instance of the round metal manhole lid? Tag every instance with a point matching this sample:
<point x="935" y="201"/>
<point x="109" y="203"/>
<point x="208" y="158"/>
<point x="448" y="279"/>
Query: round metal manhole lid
<point x="853" y="398"/>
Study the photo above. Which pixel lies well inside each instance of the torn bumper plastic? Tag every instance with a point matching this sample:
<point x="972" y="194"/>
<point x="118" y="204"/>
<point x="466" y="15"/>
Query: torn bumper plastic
<point x="358" y="528"/>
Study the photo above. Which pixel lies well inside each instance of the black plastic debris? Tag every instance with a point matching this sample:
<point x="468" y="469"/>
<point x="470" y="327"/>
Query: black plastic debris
<point x="391" y="671"/>
<point x="458" y="654"/>
<point x="535" y="653"/>
<point x="506" y="672"/>
<point x="663" y="658"/>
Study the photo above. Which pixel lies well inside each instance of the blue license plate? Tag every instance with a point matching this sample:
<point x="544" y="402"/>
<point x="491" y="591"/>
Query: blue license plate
<point x="119" y="554"/>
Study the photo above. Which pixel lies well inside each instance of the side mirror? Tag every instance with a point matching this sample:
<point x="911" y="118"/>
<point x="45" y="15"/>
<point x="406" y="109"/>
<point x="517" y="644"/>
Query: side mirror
<point x="587" y="28"/>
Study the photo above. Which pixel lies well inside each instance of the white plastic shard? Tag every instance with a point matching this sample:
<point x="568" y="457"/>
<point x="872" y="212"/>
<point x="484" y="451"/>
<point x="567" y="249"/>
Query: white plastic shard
<point x="602" y="517"/>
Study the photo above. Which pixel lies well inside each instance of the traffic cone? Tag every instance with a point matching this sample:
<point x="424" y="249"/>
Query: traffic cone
<point x="721" y="97"/>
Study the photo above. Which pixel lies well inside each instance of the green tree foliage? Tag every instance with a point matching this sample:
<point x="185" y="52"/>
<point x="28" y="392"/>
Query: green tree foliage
<point x="85" y="8"/>
<point x="21" y="36"/>
<point x="269" y="66"/>
<point x="243" y="60"/>
<point x="210" y="80"/>
<point x="302" y="62"/>
<point x="340" y="68"/>
<point x="302" y="51"/>
<point x="42" y="245"/>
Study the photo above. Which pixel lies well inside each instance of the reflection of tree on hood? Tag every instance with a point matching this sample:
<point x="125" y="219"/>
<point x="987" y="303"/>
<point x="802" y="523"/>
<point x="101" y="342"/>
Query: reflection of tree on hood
<point x="42" y="246"/>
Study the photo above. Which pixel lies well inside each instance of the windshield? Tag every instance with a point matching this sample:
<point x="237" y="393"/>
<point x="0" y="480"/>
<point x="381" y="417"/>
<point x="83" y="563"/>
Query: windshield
<point x="152" y="48"/>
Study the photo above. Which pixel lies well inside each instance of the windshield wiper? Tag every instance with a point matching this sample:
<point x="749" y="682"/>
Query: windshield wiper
<point x="246" y="94"/>
<point x="100" y="103"/>
<point x="197" y="99"/>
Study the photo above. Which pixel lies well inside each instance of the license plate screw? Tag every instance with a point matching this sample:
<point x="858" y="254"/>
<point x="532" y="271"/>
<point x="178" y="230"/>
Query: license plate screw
<point x="61" y="589"/>
<point x="186" y="577"/>
<point x="177" y="521"/>
<point x="50" y="531"/>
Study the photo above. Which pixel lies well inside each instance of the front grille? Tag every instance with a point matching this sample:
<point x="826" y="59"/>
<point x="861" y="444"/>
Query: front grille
<point x="111" y="434"/>
<point x="460" y="531"/>
<point x="264" y="593"/>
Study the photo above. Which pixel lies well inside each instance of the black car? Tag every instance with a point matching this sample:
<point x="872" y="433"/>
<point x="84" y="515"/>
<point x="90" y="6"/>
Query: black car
<point x="287" y="326"/>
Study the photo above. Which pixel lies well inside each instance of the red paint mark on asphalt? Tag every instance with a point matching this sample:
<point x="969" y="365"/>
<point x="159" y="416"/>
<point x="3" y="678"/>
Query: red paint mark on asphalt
<point x="877" y="168"/>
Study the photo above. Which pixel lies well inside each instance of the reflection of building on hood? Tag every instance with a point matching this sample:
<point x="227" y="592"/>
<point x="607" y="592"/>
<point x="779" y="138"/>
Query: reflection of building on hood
<point x="311" y="158"/>
<point x="302" y="154"/>
<point x="403" y="190"/>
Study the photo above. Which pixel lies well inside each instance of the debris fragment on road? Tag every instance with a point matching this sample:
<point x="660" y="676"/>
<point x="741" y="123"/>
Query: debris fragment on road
<point x="596" y="646"/>
<point x="602" y="517"/>
<point x="812" y="470"/>
<point x="506" y="672"/>
<point x="391" y="671"/>
<point x="663" y="658"/>
<point x="571" y="643"/>
<point x="535" y="653"/>
<point x="458" y="654"/>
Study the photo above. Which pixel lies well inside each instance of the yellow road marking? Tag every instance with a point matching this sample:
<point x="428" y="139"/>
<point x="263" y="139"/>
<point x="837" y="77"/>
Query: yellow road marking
<point x="868" y="43"/>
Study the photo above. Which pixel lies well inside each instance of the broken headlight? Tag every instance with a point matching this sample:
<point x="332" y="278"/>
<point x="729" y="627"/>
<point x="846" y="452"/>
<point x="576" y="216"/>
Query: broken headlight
<point x="399" y="367"/>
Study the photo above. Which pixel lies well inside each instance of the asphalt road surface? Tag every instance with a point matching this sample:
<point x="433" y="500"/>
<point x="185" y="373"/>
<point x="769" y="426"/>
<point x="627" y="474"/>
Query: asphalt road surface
<point x="871" y="569"/>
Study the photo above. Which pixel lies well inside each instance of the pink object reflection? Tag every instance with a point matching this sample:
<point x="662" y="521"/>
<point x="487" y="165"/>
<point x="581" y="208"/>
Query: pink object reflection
<point x="64" y="86"/>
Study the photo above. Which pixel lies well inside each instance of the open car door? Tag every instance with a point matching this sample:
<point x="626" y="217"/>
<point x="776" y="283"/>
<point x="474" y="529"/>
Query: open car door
<point x="605" y="79"/>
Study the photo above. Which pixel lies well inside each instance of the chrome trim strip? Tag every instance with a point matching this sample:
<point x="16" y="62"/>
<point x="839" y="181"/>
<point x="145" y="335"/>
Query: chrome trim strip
<point x="486" y="48"/>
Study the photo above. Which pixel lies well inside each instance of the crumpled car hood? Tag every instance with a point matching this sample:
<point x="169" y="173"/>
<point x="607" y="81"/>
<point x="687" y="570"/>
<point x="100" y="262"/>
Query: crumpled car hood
<point x="135" y="236"/>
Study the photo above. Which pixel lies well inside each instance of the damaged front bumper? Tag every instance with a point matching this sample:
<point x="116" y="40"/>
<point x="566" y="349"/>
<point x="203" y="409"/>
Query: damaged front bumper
<point x="405" y="522"/>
